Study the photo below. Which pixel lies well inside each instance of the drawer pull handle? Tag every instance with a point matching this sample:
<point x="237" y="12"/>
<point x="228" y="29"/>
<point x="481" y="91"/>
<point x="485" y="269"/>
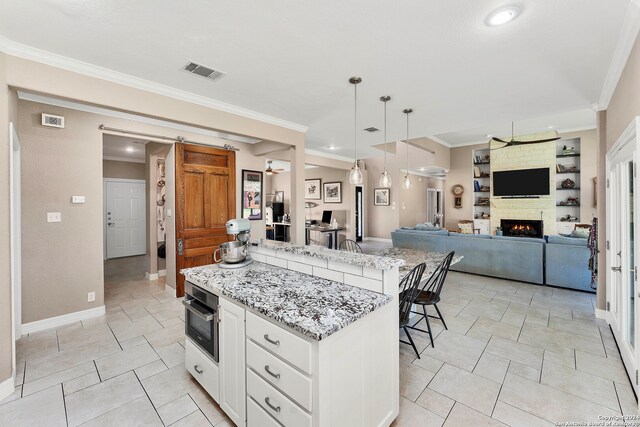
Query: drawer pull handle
<point x="274" y="375"/>
<point x="275" y="408"/>
<point x="276" y="342"/>
<point x="197" y="369"/>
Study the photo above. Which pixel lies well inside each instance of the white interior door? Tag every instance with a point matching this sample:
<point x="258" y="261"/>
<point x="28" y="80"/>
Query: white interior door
<point x="16" y="246"/>
<point x="434" y="205"/>
<point x="125" y="218"/>
<point x="621" y="268"/>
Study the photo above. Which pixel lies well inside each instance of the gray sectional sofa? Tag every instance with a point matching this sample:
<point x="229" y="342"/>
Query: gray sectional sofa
<point x="560" y="262"/>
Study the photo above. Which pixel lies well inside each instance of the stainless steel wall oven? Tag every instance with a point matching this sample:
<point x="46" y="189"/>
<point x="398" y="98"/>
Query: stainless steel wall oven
<point x="202" y="318"/>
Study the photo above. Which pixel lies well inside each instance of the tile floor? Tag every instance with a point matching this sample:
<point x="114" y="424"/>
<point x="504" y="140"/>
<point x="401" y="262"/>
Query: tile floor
<point x="515" y="354"/>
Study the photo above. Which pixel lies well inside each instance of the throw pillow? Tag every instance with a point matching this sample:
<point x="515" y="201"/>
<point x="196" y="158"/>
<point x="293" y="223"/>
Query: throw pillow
<point x="582" y="233"/>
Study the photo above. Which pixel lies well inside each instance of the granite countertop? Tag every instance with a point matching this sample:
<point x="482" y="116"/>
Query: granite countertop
<point x="364" y="260"/>
<point x="413" y="257"/>
<point x="311" y="305"/>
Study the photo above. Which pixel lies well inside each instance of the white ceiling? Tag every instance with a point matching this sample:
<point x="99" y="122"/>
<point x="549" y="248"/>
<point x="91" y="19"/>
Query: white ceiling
<point x="292" y="59"/>
<point x="116" y="147"/>
<point x="283" y="165"/>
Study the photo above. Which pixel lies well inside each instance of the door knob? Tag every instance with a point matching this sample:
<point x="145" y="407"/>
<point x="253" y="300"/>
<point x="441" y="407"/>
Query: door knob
<point x="618" y="269"/>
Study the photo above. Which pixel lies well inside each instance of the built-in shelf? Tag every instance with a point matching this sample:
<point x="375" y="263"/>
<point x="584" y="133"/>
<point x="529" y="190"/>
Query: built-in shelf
<point x="568" y="172"/>
<point x="482" y="163"/>
<point x="568" y="206"/>
<point x="488" y="191"/>
<point x="482" y="206"/>
<point x="567" y="189"/>
<point x="561" y="156"/>
<point x="481" y="177"/>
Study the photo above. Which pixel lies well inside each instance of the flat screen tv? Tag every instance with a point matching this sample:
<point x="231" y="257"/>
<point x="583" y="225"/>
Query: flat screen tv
<point x="521" y="183"/>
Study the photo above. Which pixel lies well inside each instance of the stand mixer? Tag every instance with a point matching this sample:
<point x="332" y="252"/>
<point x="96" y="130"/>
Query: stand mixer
<point x="235" y="254"/>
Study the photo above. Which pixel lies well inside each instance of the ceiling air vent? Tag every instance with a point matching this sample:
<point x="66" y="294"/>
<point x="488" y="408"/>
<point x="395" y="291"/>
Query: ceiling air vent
<point x="372" y="129"/>
<point x="203" y="71"/>
<point x="52" y="121"/>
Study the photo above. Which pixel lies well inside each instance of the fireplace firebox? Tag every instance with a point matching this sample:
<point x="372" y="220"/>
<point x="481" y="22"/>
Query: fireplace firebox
<point x="522" y="228"/>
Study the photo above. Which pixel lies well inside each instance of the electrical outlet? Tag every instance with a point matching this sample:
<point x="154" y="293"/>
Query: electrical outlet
<point x="91" y="296"/>
<point x="54" y="217"/>
<point x="77" y="199"/>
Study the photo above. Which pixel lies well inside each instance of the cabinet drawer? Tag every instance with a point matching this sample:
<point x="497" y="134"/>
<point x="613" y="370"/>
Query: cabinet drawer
<point x="293" y="349"/>
<point x="257" y="417"/>
<point x="275" y="403"/>
<point x="279" y="374"/>
<point x="203" y="369"/>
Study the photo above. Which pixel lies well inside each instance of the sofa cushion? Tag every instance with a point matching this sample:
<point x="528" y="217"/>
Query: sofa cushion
<point x="476" y="236"/>
<point x="520" y="239"/>
<point x="426" y="227"/>
<point x="560" y="240"/>
<point x="439" y="232"/>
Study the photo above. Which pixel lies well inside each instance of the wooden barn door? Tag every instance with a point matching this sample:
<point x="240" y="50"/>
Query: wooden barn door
<point x="205" y="200"/>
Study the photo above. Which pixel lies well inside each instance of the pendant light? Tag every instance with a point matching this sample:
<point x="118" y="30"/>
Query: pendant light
<point x="385" y="179"/>
<point x="406" y="182"/>
<point x="355" y="176"/>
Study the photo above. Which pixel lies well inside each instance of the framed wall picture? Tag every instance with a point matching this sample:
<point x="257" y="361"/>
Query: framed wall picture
<point x="251" y="194"/>
<point x="313" y="189"/>
<point x="332" y="192"/>
<point x="279" y="197"/>
<point x="381" y="196"/>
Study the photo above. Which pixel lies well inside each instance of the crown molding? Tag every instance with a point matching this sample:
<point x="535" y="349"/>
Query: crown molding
<point x="626" y="40"/>
<point x="38" y="55"/>
<point x="122" y="159"/>
<point x="328" y="155"/>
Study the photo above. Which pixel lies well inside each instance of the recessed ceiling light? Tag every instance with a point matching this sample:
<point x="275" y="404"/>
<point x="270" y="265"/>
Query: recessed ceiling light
<point x="130" y="149"/>
<point x="550" y="127"/>
<point x="489" y="135"/>
<point x="331" y="147"/>
<point x="503" y="15"/>
<point x="423" y="169"/>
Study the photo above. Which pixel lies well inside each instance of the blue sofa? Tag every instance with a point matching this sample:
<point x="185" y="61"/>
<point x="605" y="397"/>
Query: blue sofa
<point x="562" y="260"/>
<point x="566" y="263"/>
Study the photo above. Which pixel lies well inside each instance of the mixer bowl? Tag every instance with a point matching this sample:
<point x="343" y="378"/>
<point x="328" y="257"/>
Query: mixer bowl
<point x="231" y="252"/>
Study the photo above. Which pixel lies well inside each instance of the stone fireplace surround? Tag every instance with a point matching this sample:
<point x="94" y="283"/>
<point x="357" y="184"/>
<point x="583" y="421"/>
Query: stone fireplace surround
<point x="522" y="228"/>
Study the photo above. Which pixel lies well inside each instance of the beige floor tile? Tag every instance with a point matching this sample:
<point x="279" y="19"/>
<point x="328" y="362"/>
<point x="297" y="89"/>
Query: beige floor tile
<point x="575" y="326"/>
<point x="171" y="322"/>
<point x="176" y="410"/>
<point x="515" y="417"/>
<point x="169" y="385"/>
<point x="435" y="402"/>
<point x="208" y="406"/>
<point x="455" y="349"/>
<point x="17" y="394"/>
<point x="492" y="367"/>
<point x="125" y="330"/>
<point x="45" y="408"/>
<point x="166" y="311"/>
<point x="69" y="338"/>
<point x="57" y="378"/>
<point x="126" y="360"/>
<point x="166" y="336"/>
<point x="490" y="310"/>
<point x="462" y="415"/>
<point x="499" y="329"/>
<point x="524" y="371"/>
<point x="101" y="398"/>
<point x="196" y="419"/>
<point x="567" y="339"/>
<point x="604" y="367"/>
<point x="546" y="345"/>
<point x="139" y="412"/>
<point x="470" y="389"/>
<point x="627" y="399"/>
<point x="429" y="363"/>
<point x="581" y="384"/>
<point x="150" y="370"/>
<point x="549" y="403"/>
<point x="62" y="360"/>
<point x="412" y="415"/>
<point x="133" y="342"/>
<point x="455" y="324"/>
<point x="172" y="355"/>
<point x="566" y="359"/>
<point x="80" y="383"/>
<point x="413" y="380"/>
<point x="513" y="318"/>
<point x="516" y="351"/>
<point x="36" y="345"/>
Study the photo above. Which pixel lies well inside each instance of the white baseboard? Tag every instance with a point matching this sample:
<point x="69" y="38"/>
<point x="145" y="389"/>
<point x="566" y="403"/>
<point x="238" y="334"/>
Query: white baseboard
<point x="7" y="387"/>
<point x="377" y="239"/>
<point x="168" y="289"/>
<point x="151" y="276"/>
<point x="65" y="319"/>
<point x="602" y="314"/>
<point x="162" y="273"/>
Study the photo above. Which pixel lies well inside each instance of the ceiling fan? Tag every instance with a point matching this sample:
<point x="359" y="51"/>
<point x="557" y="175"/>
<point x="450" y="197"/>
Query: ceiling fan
<point x="270" y="171"/>
<point x="513" y="142"/>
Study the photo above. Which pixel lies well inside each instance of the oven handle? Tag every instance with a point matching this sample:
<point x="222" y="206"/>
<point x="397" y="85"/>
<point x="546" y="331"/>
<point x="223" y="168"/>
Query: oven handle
<point x="207" y="317"/>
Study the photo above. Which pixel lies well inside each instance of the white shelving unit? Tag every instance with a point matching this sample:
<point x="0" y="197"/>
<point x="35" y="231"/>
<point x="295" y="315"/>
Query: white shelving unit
<point x="482" y="190"/>
<point x="568" y="198"/>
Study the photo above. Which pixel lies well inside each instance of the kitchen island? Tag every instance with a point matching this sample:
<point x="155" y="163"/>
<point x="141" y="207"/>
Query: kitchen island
<point x="308" y="337"/>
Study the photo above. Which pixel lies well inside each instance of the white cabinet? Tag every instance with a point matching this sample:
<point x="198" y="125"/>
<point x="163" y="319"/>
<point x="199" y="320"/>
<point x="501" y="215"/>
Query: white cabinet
<point x="203" y="369"/>
<point x="232" y="362"/>
<point x="484" y="225"/>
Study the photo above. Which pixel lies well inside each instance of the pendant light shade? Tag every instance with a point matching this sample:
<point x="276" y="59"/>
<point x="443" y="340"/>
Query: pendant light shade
<point x="406" y="182"/>
<point x="355" y="176"/>
<point x="385" y="179"/>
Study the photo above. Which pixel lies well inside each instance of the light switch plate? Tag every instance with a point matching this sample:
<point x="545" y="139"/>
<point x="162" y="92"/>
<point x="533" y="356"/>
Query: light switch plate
<point x="91" y="296"/>
<point x="54" y="217"/>
<point x="77" y="199"/>
<point x="168" y="212"/>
